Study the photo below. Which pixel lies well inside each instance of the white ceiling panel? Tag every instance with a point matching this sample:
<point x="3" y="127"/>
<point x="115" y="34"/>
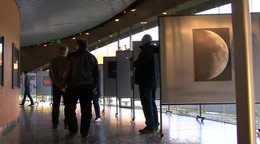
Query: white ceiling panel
<point x="43" y="20"/>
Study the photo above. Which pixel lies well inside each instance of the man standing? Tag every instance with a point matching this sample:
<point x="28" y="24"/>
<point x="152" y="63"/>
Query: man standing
<point x="81" y="77"/>
<point x="57" y="68"/>
<point x="147" y="77"/>
<point x="27" y="90"/>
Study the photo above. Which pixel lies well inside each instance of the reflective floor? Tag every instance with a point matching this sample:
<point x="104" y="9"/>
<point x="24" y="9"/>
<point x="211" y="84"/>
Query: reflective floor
<point x="35" y="127"/>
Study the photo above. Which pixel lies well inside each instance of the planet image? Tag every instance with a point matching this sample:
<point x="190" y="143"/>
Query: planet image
<point x="211" y="55"/>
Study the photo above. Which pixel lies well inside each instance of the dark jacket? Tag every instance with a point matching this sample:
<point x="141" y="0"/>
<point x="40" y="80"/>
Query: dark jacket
<point x="57" y="68"/>
<point x="147" y="66"/>
<point x="98" y="90"/>
<point x="27" y="82"/>
<point x="81" y="69"/>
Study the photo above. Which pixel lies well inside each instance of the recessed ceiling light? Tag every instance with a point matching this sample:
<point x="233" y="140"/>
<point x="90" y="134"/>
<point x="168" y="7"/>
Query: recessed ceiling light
<point x="117" y="20"/>
<point x="99" y="40"/>
<point x="73" y="38"/>
<point x="87" y="33"/>
<point x="125" y="11"/>
<point x="45" y="45"/>
<point x="143" y="22"/>
<point x="110" y="35"/>
<point x="164" y="13"/>
<point x="133" y="10"/>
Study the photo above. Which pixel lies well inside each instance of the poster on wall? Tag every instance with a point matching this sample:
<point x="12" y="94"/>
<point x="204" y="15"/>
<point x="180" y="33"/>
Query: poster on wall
<point x="15" y="66"/>
<point x="212" y="57"/>
<point x="109" y="76"/>
<point x="1" y="60"/>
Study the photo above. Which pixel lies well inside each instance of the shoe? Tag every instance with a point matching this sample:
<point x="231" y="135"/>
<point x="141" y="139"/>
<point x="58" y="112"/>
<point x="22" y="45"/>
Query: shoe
<point x="21" y="104"/>
<point x="31" y="105"/>
<point x="146" y="130"/>
<point x="84" y="135"/>
<point x="97" y="120"/>
<point x="54" y="126"/>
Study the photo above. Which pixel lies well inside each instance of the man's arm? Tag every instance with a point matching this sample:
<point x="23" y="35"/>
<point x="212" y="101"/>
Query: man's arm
<point x="52" y="75"/>
<point x="66" y="73"/>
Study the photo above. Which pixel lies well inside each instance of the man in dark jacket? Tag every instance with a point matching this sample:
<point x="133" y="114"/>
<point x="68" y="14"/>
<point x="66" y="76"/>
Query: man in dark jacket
<point x="81" y="78"/>
<point x="147" y="77"/>
<point x="27" y="91"/>
<point x="57" y="68"/>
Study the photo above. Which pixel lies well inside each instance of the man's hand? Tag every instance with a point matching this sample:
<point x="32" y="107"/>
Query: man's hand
<point x="94" y="90"/>
<point x="63" y="89"/>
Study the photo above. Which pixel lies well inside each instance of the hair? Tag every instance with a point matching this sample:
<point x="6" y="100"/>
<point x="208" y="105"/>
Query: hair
<point x="147" y="38"/>
<point x="25" y="72"/>
<point x="63" y="49"/>
<point x="82" y="43"/>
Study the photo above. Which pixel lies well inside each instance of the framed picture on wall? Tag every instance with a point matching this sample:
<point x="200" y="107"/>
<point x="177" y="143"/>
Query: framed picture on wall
<point x="15" y="66"/>
<point x="1" y="60"/>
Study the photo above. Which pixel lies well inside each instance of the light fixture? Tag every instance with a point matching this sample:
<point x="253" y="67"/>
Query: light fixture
<point x="117" y="20"/>
<point x="45" y="45"/>
<point x="73" y="38"/>
<point x="38" y="44"/>
<point x="99" y="40"/>
<point x="79" y="33"/>
<point x="87" y="33"/>
<point x="133" y="10"/>
<point x="164" y="13"/>
<point x="110" y="35"/>
<point x="125" y="11"/>
<point x="143" y="22"/>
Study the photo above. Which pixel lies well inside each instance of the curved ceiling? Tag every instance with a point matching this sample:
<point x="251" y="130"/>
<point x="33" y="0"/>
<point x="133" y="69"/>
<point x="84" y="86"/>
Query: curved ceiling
<point x="44" y="20"/>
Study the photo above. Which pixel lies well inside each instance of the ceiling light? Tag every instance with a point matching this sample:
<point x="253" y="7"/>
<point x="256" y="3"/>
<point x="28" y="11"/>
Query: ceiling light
<point x="110" y="35"/>
<point x="38" y="44"/>
<point x="164" y="13"/>
<point x="87" y="33"/>
<point x="133" y="10"/>
<point x="144" y="22"/>
<point x="45" y="45"/>
<point x="73" y="38"/>
<point x="79" y="33"/>
<point x="99" y="40"/>
<point x="117" y="20"/>
<point x="125" y="11"/>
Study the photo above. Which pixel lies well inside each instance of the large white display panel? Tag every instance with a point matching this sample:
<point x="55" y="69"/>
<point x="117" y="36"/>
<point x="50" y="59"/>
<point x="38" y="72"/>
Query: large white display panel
<point x="181" y="81"/>
<point x="109" y="75"/>
<point x="137" y="50"/>
<point x="124" y="74"/>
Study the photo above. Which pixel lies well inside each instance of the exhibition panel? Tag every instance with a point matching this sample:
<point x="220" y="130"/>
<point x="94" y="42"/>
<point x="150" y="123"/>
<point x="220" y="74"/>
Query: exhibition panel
<point x="124" y="74"/>
<point x="197" y="59"/>
<point x="109" y="76"/>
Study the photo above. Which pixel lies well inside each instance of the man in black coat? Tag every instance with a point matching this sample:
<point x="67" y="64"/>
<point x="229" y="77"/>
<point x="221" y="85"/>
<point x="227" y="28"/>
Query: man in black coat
<point x="57" y="68"/>
<point x="81" y="79"/>
<point x="147" y="77"/>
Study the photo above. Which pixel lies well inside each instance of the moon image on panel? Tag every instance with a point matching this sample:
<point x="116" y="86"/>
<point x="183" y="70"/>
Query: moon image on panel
<point x="211" y="55"/>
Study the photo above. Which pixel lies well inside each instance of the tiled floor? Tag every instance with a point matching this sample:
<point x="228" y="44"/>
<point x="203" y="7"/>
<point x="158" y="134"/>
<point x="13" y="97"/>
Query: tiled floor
<point x="35" y="127"/>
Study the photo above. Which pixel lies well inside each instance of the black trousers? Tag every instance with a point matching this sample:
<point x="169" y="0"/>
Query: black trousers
<point x="57" y="94"/>
<point x="83" y="93"/>
<point x="96" y="105"/>
<point x="147" y="96"/>
<point x="27" y="92"/>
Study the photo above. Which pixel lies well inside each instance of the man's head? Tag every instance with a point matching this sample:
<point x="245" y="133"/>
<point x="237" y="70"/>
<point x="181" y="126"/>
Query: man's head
<point x="63" y="50"/>
<point x="146" y="39"/>
<point x="81" y="43"/>
<point x="25" y="72"/>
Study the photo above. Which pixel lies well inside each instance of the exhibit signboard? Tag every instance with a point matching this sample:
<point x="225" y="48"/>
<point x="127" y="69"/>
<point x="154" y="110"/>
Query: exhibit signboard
<point x="43" y="82"/>
<point x="197" y="59"/>
<point x="109" y="75"/>
<point x="124" y="74"/>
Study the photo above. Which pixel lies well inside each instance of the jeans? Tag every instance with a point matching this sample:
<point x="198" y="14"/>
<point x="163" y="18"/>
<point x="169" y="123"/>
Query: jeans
<point x="27" y="92"/>
<point x="83" y="93"/>
<point x="96" y="105"/>
<point x="57" y="93"/>
<point x="147" y="96"/>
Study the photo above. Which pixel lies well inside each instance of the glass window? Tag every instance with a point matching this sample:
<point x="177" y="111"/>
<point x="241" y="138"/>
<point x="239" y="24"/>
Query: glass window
<point x="1" y="60"/>
<point x="15" y="66"/>
<point x="124" y="44"/>
<point x="153" y="32"/>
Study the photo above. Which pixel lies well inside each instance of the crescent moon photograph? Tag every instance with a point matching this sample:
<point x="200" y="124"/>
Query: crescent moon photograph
<point x="212" y="58"/>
